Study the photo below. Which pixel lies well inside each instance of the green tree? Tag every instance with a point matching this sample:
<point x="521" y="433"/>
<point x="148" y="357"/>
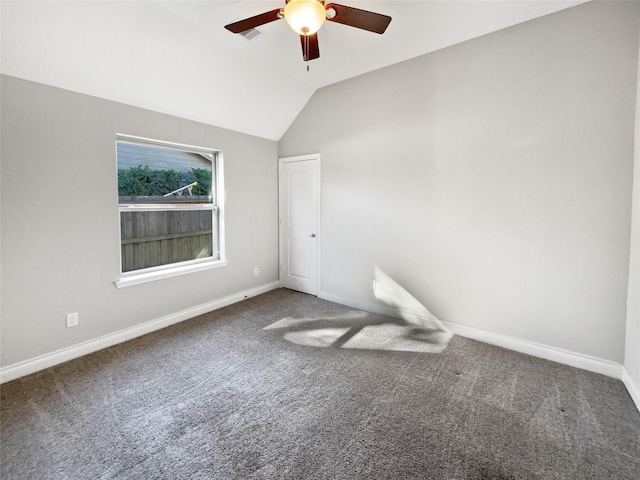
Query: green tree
<point x="141" y="181"/>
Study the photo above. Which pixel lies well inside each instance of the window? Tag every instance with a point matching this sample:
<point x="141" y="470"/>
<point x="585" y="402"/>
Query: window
<point x="169" y="199"/>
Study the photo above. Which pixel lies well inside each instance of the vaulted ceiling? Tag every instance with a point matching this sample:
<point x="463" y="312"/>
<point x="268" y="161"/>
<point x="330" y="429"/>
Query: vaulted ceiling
<point x="175" y="56"/>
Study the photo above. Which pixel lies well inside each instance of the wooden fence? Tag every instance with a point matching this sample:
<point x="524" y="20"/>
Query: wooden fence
<point x="153" y="238"/>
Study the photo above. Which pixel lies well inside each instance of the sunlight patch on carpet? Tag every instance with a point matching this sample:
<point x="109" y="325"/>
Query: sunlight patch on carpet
<point x="288" y="322"/>
<point x="399" y="338"/>
<point x="322" y="337"/>
<point x="362" y="331"/>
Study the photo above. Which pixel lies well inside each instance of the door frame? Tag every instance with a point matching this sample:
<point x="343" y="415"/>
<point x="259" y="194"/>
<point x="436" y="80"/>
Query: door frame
<point x="301" y="158"/>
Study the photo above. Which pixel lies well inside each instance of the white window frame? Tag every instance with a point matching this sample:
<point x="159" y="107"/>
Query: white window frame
<point x="218" y="259"/>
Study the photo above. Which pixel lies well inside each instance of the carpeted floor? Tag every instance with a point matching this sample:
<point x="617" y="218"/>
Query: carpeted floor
<point x="221" y="397"/>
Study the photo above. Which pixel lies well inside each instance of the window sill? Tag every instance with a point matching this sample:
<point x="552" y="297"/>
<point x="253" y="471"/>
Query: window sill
<point x="139" y="278"/>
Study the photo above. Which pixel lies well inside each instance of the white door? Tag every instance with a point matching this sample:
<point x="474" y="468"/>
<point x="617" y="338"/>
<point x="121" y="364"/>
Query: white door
<point x="300" y="222"/>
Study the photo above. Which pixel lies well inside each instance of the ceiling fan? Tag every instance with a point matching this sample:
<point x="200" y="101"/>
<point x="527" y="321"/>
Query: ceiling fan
<point x="306" y="17"/>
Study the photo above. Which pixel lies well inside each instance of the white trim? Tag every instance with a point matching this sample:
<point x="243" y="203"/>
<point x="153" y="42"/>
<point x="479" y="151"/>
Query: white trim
<point x="26" y="367"/>
<point x="133" y="278"/>
<point x="220" y="240"/>
<point x="547" y="352"/>
<point x="154" y="207"/>
<point x="632" y="388"/>
<point x="152" y="142"/>
<point x="302" y="158"/>
<point x="566" y="357"/>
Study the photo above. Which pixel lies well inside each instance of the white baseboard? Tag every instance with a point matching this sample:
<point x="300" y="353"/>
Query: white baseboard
<point x="26" y="367"/>
<point x="578" y="360"/>
<point x="547" y="352"/>
<point x="632" y="387"/>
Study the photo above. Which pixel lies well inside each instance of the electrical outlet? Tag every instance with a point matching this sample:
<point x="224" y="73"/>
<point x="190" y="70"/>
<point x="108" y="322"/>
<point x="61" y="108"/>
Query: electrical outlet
<point x="256" y="271"/>
<point x="72" y="319"/>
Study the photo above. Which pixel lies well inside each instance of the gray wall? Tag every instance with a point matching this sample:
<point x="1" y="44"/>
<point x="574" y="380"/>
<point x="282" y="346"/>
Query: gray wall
<point x="632" y="351"/>
<point x="60" y="239"/>
<point x="491" y="179"/>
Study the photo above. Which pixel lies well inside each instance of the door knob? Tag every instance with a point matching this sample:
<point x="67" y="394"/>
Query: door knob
<point x="313" y="235"/>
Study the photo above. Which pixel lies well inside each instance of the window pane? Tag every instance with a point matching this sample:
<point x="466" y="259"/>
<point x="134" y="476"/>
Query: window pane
<point x="168" y="204"/>
<point x="149" y="174"/>
<point x="154" y="238"/>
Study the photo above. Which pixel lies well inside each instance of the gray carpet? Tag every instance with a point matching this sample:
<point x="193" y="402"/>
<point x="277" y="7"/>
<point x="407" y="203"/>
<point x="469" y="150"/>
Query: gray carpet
<point x="221" y="397"/>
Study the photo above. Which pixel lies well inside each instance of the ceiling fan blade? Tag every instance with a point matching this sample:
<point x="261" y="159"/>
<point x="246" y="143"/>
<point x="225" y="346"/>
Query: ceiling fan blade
<point x="253" y="22"/>
<point x="310" y="47"/>
<point x="354" y="17"/>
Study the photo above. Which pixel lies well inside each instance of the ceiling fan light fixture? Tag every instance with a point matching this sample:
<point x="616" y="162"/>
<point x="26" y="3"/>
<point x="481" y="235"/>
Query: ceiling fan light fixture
<point x="305" y="17"/>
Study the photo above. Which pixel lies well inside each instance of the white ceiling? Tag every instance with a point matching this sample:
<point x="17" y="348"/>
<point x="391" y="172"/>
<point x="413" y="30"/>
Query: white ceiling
<point x="175" y="56"/>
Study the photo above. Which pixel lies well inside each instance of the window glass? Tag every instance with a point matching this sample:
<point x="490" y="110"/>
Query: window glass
<point x="167" y="198"/>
